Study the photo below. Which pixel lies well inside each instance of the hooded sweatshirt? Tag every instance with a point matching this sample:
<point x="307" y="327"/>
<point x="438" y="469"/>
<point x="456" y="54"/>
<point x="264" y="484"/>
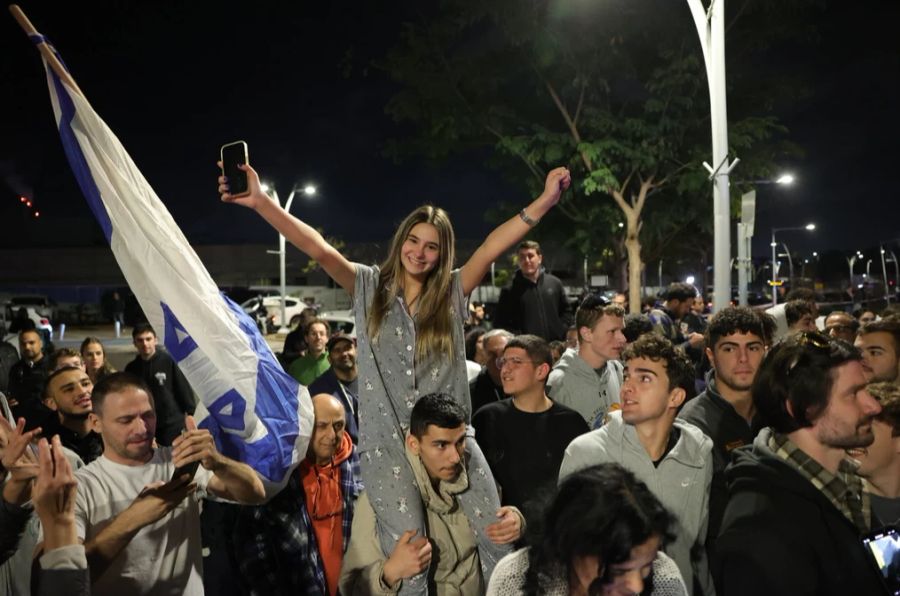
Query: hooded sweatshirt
<point x="573" y="383"/>
<point x="325" y="504"/>
<point x="680" y="481"/>
<point x="781" y="536"/>
<point x="455" y="565"/>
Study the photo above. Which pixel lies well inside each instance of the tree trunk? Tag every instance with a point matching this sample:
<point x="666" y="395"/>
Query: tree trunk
<point x="633" y="247"/>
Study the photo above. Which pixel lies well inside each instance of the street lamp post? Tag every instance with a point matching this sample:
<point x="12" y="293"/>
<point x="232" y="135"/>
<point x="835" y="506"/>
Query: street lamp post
<point x="711" y="30"/>
<point x="851" y="260"/>
<point x="745" y="234"/>
<point x="774" y="282"/>
<point x="308" y="190"/>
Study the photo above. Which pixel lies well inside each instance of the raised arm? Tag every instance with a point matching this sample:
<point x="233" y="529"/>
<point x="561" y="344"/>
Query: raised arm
<point x="513" y="230"/>
<point x="301" y="235"/>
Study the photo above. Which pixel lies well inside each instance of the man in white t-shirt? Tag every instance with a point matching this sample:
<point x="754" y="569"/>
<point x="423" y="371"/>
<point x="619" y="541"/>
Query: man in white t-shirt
<point x="141" y="527"/>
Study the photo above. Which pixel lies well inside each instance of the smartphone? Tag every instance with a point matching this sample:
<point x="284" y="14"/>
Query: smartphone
<point x="884" y="547"/>
<point x="189" y="469"/>
<point x="233" y="154"/>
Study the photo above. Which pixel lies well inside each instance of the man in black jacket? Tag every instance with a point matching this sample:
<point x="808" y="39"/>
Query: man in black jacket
<point x="172" y="395"/>
<point x="536" y="301"/>
<point x="796" y="509"/>
<point x="735" y="346"/>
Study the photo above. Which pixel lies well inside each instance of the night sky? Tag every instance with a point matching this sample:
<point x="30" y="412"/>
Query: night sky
<point x="176" y="80"/>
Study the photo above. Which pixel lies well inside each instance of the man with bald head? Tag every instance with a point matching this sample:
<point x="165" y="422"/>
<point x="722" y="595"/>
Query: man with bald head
<point x="296" y="542"/>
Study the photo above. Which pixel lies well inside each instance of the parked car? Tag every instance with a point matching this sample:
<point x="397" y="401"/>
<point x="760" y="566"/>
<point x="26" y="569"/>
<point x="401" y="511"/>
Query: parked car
<point x="41" y="323"/>
<point x="340" y="321"/>
<point x="293" y="308"/>
<point x="42" y="305"/>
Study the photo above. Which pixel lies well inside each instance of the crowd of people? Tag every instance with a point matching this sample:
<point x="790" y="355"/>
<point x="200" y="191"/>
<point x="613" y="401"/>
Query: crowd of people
<point x="538" y="451"/>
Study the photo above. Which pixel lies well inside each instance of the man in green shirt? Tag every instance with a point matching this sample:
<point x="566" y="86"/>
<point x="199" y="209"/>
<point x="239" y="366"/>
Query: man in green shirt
<point x="308" y="367"/>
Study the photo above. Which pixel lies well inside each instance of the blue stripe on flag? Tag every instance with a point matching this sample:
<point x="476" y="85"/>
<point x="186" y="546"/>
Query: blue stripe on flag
<point x="76" y="158"/>
<point x="276" y="407"/>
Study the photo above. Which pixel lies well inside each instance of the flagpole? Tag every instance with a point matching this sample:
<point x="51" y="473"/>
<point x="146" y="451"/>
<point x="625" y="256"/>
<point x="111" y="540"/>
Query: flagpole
<point x="44" y="48"/>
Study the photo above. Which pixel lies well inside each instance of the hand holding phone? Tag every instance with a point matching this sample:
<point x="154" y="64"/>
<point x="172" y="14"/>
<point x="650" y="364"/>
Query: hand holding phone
<point x="232" y="155"/>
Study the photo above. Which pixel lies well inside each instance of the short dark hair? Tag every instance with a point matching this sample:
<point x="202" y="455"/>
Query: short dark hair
<point x="655" y="347"/>
<point x="797" y="371"/>
<point x="471" y="341"/>
<point x="529" y="244"/>
<point x="438" y="409"/>
<point x="889" y="325"/>
<point x="536" y="347"/>
<point x="56" y="356"/>
<point x="115" y="383"/>
<point x="142" y="328"/>
<point x="602" y="511"/>
<point x="734" y="319"/>
<point x="53" y="374"/>
<point x="31" y="329"/>
<point x="888" y="395"/>
<point x="317" y="321"/>
<point x="593" y="308"/>
<point x="680" y="291"/>
<point x="796" y="310"/>
<point x="636" y="325"/>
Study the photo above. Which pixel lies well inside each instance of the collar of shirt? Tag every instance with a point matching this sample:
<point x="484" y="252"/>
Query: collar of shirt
<point x="844" y="489"/>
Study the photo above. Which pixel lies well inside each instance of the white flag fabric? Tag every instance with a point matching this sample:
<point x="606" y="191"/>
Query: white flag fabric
<point x="257" y="413"/>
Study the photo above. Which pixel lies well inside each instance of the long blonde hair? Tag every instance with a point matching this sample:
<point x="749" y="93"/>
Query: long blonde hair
<point x="434" y="321"/>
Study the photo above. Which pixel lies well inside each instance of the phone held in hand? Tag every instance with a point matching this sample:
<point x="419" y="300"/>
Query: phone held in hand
<point x="232" y="155"/>
<point x="189" y="469"/>
<point x="884" y="548"/>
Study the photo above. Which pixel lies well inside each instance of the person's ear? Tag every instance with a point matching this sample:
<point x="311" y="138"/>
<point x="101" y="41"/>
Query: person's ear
<point x="50" y="403"/>
<point x="413" y="443"/>
<point x="94" y="423"/>
<point x="677" y="397"/>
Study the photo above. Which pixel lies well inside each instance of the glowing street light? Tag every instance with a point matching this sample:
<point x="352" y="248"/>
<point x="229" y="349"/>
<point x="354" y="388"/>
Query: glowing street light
<point x="309" y="190"/>
<point x="785" y="179"/>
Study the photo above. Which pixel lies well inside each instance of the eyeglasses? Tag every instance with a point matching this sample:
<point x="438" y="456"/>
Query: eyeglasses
<point x="595" y="301"/>
<point x="513" y="362"/>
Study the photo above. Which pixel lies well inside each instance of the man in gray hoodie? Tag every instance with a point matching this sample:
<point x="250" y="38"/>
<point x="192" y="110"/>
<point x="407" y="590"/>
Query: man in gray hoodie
<point x="672" y="457"/>
<point x="588" y="379"/>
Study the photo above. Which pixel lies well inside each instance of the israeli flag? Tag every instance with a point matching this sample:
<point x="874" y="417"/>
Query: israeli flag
<point x="257" y="413"/>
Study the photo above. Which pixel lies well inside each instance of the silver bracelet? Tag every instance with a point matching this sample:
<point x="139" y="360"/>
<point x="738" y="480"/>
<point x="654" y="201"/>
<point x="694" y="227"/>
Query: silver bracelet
<point x="528" y="220"/>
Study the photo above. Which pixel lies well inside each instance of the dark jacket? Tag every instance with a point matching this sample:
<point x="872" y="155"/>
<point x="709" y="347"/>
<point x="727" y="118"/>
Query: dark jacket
<point x="26" y="386"/>
<point x="483" y="391"/>
<point x="328" y="382"/>
<point x="781" y="536"/>
<point x="540" y="308"/>
<point x="728" y="430"/>
<point x="172" y="395"/>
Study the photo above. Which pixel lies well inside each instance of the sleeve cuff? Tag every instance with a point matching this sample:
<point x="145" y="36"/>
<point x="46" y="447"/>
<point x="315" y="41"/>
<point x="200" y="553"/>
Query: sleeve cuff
<point x="65" y="557"/>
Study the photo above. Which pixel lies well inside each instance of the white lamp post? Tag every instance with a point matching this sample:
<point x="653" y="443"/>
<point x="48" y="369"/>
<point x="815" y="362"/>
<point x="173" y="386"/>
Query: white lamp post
<point x="308" y="190"/>
<point x="711" y="29"/>
<point x="810" y="227"/>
